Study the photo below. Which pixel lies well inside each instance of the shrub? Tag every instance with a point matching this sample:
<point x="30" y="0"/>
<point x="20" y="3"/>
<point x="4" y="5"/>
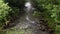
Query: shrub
<point x="6" y="12"/>
<point x="50" y="10"/>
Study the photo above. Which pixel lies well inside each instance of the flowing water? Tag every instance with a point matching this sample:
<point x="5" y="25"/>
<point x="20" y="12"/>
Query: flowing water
<point x="28" y="23"/>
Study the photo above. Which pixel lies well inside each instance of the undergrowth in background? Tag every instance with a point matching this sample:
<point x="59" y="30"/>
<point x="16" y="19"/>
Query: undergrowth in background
<point x="7" y="12"/>
<point x="50" y="10"/>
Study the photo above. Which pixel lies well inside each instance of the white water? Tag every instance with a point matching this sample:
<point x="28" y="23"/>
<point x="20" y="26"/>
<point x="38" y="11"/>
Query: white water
<point x="27" y="23"/>
<point x="29" y="8"/>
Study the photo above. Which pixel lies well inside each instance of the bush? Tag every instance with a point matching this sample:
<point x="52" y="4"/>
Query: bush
<point x="50" y="10"/>
<point x="6" y="12"/>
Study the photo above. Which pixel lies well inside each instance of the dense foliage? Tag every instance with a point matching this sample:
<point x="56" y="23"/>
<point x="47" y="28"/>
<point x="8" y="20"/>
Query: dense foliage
<point x="6" y="12"/>
<point x="51" y="12"/>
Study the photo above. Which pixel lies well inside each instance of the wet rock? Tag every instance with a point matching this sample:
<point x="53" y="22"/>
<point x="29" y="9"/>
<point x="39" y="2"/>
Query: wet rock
<point x="51" y="31"/>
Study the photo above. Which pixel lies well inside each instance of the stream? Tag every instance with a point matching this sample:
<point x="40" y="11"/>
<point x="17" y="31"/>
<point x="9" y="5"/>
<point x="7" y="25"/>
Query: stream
<point x="28" y="23"/>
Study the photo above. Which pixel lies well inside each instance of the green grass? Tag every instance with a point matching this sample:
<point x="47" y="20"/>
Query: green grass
<point x="19" y="31"/>
<point x="57" y="29"/>
<point x="2" y="32"/>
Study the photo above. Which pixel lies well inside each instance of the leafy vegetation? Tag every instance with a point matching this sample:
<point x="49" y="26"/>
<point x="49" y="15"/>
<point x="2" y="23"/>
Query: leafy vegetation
<point x="51" y="12"/>
<point x="7" y="12"/>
